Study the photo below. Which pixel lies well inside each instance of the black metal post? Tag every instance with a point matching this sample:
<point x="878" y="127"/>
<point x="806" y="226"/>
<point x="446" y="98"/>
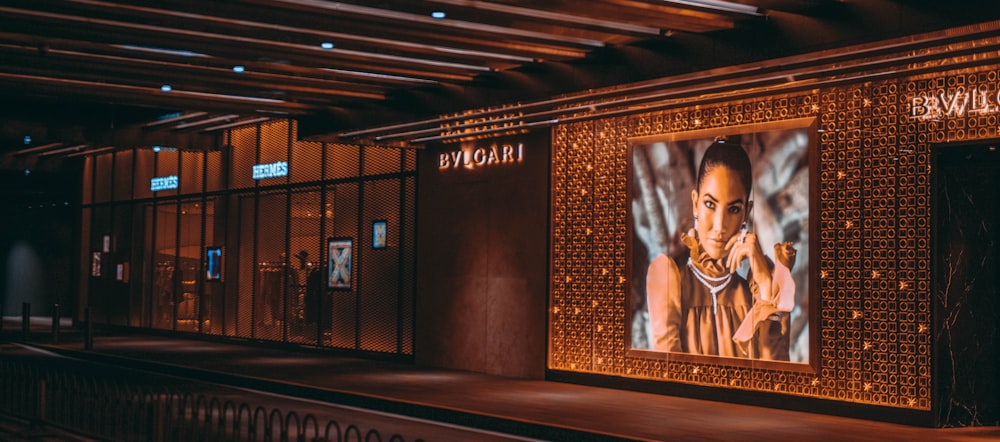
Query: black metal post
<point x="88" y="330"/>
<point x="25" y="320"/>
<point x="1" y="316"/>
<point x="55" y="323"/>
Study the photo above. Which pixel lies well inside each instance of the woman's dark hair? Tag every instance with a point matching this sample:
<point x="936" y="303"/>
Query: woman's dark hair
<point x="730" y="155"/>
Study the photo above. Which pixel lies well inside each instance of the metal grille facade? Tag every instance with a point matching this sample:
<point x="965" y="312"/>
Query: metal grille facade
<point x="874" y="234"/>
<point x="274" y="233"/>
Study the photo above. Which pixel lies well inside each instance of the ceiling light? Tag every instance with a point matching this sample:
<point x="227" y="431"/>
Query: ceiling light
<point x="27" y="139"/>
<point x="438" y="14"/>
<point x="239" y="69"/>
<point x="326" y="45"/>
<point x="156" y="148"/>
<point x="166" y="88"/>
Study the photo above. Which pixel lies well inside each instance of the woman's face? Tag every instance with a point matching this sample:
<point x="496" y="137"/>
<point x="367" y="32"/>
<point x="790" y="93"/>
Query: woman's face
<point x="721" y="207"/>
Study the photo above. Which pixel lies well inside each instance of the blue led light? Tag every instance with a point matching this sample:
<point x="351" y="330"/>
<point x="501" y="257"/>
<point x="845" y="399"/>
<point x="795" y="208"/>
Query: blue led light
<point x="27" y="139"/>
<point x="326" y="45"/>
<point x="166" y="88"/>
<point x="156" y="148"/>
<point x="438" y="14"/>
<point x="239" y="69"/>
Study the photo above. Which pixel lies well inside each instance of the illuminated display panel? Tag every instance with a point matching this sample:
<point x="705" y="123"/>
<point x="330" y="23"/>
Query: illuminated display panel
<point x="753" y="201"/>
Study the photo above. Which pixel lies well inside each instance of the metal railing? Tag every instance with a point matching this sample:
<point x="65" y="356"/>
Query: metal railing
<point x="130" y="405"/>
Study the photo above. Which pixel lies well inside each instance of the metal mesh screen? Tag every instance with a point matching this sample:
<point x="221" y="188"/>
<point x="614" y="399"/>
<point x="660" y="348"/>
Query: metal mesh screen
<point x="135" y="265"/>
<point x="213" y="293"/>
<point x="164" y="274"/>
<point x="189" y="266"/>
<point x="306" y="162"/>
<point x="144" y="172"/>
<point x="379" y="268"/>
<point x="343" y="222"/>
<point x="168" y="164"/>
<point x="102" y="188"/>
<point x="122" y="189"/>
<point x="305" y="248"/>
<point x="379" y="161"/>
<point x="192" y="178"/>
<point x="342" y="161"/>
<point x="100" y="226"/>
<point x="275" y="274"/>
<point x="118" y="256"/>
<point x="214" y="172"/>
<point x="408" y="258"/>
<point x="243" y="156"/>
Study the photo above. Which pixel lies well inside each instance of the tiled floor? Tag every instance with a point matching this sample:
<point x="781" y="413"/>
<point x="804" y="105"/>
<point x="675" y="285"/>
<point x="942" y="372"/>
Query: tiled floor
<point x="531" y="408"/>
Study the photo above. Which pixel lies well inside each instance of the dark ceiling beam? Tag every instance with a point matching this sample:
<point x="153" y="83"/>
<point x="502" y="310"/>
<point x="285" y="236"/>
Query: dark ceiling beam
<point x="209" y="43"/>
<point x="119" y="70"/>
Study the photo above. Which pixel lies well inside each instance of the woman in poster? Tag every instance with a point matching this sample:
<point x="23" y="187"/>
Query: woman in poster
<point x="706" y="305"/>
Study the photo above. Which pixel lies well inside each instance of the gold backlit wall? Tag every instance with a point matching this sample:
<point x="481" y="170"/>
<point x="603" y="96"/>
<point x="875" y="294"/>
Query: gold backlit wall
<point x="873" y="239"/>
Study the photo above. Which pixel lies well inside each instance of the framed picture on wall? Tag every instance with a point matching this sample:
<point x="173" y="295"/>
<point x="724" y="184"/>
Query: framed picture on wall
<point x="213" y="263"/>
<point x="380" y="231"/>
<point x="339" y="263"/>
<point x="95" y="264"/>
<point x="722" y="231"/>
<point x="106" y="244"/>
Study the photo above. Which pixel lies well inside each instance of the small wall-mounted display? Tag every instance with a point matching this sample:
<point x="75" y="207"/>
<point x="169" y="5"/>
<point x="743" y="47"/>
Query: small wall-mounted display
<point x="339" y="261"/>
<point x="213" y="263"/>
<point x="121" y="272"/>
<point x="380" y="230"/>
<point x="95" y="264"/>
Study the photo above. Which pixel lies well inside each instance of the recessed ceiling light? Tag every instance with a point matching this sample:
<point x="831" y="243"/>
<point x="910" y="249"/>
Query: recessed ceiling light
<point x="166" y="88"/>
<point x="438" y="14"/>
<point x="326" y="45"/>
<point x="27" y="139"/>
<point x="239" y="69"/>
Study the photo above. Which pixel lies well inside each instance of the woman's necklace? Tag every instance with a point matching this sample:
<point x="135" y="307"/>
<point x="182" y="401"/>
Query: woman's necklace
<point x="714" y="284"/>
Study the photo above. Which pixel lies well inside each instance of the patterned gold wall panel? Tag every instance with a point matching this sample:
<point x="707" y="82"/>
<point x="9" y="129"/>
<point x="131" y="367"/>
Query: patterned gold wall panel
<point x="874" y="316"/>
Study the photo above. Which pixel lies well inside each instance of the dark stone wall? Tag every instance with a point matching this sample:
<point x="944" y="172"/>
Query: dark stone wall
<point x="482" y="264"/>
<point x="966" y="303"/>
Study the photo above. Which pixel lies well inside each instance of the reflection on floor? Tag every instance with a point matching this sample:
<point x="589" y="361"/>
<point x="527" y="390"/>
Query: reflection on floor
<point x="529" y="408"/>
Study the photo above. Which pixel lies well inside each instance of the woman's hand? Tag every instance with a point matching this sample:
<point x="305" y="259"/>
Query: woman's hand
<point x="745" y="246"/>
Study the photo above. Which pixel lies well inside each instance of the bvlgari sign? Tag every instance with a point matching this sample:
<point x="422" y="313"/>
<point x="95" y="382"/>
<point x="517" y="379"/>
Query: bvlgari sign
<point x="474" y="157"/>
<point x="956" y="102"/>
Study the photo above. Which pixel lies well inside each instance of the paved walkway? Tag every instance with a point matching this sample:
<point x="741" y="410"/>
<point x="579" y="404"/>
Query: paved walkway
<point x="531" y="408"/>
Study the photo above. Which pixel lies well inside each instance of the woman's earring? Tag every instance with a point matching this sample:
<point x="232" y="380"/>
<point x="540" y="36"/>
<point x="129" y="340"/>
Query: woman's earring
<point x="743" y="232"/>
<point x="696" y="222"/>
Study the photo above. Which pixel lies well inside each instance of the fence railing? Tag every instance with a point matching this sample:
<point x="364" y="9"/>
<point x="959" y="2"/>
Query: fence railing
<point x="129" y="406"/>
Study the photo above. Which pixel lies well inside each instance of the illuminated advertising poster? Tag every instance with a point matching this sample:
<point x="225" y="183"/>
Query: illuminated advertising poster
<point x="95" y="264"/>
<point x="339" y="262"/>
<point x="721" y="234"/>
<point x="379" y="234"/>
